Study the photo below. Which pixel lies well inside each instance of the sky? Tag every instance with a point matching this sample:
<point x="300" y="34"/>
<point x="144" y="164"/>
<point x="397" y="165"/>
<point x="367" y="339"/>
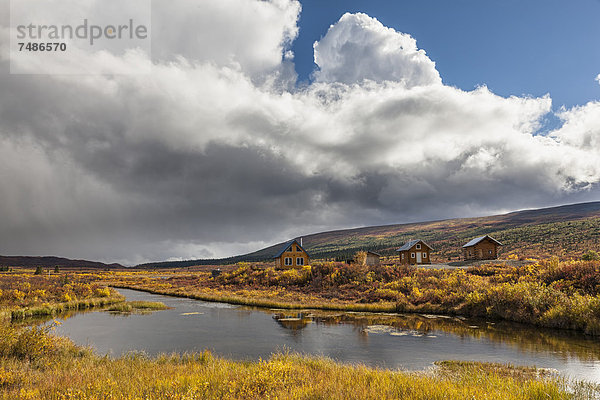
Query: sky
<point x="261" y="121"/>
<point x="513" y="47"/>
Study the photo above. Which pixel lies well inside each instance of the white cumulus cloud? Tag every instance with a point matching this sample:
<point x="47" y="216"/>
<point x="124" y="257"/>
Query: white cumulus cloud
<point x="209" y="156"/>
<point x="359" y="47"/>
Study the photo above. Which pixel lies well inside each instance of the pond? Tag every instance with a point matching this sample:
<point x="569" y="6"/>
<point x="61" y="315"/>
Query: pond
<point x="405" y="341"/>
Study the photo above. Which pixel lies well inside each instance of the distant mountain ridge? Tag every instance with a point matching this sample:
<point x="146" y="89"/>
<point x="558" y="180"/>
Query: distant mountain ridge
<point x="51" y="262"/>
<point x="563" y="231"/>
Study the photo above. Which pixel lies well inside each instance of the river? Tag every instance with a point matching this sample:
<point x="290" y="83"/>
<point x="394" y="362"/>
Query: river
<point x="405" y="341"/>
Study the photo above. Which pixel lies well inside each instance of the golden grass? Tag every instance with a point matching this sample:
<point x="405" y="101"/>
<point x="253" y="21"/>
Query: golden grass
<point x="133" y="306"/>
<point x="57" y="308"/>
<point x="35" y="365"/>
<point x="263" y="298"/>
<point x="549" y="293"/>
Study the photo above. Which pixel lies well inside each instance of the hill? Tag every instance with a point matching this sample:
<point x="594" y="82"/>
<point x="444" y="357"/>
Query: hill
<point x="564" y="231"/>
<point x="51" y="262"/>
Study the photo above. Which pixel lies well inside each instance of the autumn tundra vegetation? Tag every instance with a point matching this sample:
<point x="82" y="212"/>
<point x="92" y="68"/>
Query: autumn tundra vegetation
<point x="36" y="364"/>
<point x="547" y="293"/>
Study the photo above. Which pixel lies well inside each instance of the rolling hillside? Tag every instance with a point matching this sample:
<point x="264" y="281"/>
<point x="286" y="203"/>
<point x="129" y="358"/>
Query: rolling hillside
<point x="51" y="262"/>
<point x="565" y="231"/>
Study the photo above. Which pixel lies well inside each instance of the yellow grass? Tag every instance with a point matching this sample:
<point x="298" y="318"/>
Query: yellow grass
<point x="52" y="368"/>
<point x="37" y="365"/>
<point x="137" y="306"/>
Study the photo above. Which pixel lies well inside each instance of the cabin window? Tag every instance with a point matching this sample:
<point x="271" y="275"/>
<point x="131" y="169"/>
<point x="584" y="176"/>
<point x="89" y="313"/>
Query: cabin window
<point x="412" y="255"/>
<point x="470" y="253"/>
<point x="424" y="255"/>
<point x="287" y="261"/>
<point x="297" y="248"/>
<point x="290" y="249"/>
<point x="299" y="261"/>
<point x="419" y="246"/>
<point x="402" y="256"/>
<point x="489" y="251"/>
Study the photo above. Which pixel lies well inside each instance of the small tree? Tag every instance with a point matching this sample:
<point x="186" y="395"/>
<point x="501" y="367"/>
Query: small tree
<point x="56" y="270"/>
<point x="39" y="271"/>
<point x="590" y="256"/>
<point x="360" y="258"/>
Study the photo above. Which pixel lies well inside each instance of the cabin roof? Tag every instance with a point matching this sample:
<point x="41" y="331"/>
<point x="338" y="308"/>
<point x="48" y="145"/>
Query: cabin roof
<point x="473" y="242"/>
<point x="408" y="245"/>
<point x="372" y="252"/>
<point x="286" y="245"/>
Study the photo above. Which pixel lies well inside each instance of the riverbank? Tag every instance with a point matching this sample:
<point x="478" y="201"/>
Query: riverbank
<point x="549" y="294"/>
<point x="37" y="365"/>
<point x="57" y="308"/>
<point x="263" y="299"/>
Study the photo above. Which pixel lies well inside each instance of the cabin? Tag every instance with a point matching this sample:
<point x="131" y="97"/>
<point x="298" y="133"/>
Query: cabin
<point x="291" y="255"/>
<point x="415" y="252"/>
<point x="481" y="248"/>
<point x="373" y="258"/>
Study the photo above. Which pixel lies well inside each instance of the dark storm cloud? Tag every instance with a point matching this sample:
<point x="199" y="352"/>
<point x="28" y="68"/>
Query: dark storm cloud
<point x="210" y="156"/>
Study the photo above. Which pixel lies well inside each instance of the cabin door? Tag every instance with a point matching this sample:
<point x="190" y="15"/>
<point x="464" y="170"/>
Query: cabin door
<point x="418" y="257"/>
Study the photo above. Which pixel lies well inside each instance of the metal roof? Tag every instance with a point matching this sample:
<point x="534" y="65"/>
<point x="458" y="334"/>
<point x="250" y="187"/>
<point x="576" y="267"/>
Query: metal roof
<point x="286" y="246"/>
<point x="372" y="252"/>
<point x="473" y="242"/>
<point x="410" y="244"/>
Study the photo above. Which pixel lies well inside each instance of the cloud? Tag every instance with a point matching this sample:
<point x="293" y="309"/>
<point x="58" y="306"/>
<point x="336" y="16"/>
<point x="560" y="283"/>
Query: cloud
<point x="359" y="47"/>
<point x="211" y="155"/>
<point x="249" y="35"/>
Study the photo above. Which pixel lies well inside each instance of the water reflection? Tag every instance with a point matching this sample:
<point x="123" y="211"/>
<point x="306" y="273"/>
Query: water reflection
<point x="566" y="344"/>
<point x="294" y="322"/>
<point x="406" y="341"/>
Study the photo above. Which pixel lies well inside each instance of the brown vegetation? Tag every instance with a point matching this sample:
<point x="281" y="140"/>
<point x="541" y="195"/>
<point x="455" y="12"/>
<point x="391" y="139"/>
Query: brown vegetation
<point x="548" y="293"/>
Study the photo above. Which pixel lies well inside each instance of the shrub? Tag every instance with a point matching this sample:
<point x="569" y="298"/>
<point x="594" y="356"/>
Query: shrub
<point x="578" y="275"/>
<point x="102" y="292"/>
<point x="7" y="378"/>
<point x="360" y="258"/>
<point x="31" y="343"/>
<point x="18" y="295"/>
<point x="590" y="256"/>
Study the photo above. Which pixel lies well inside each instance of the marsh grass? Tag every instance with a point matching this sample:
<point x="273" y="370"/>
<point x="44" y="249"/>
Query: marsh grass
<point x="57" y="308"/>
<point x="137" y="306"/>
<point x="549" y="293"/>
<point x="37" y="365"/>
<point x="256" y="300"/>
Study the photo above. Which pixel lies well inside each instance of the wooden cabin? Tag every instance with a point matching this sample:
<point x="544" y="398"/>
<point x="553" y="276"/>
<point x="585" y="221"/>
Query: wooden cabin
<point x="415" y="252"/>
<point x="481" y="248"/>
<point x="373" y="258"/>
<point x="291" y="255"/>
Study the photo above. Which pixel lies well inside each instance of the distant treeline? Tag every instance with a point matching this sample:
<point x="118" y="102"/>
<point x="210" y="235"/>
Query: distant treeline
<point x="338" y="255"/>
<point x="52" y="262"/>
<point x="212" y="261"/>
